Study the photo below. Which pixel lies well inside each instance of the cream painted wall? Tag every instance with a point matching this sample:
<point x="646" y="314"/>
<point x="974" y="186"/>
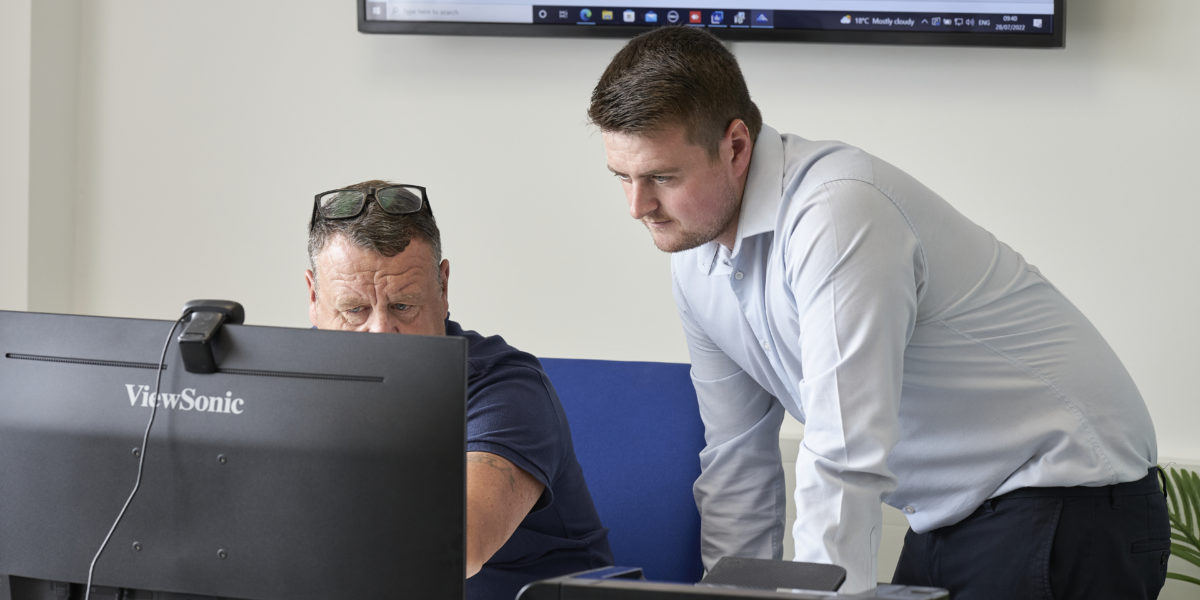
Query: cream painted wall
<point x="39" y="71"/>
<point x="200" y="133"/>
<point x="15" y="44"/>
<point x="54" y="60"/>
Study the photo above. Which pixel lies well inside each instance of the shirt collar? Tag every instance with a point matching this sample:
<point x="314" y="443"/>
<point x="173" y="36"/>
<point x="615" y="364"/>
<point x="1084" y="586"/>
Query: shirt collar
<point x="760" y="199"/>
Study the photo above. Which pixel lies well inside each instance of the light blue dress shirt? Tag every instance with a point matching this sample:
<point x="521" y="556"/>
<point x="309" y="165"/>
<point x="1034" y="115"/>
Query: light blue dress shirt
<point x="932" y="366"/>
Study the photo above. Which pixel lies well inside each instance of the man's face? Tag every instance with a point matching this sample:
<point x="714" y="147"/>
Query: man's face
<point x="683" y="195"/>
<point x="362" y="290"/>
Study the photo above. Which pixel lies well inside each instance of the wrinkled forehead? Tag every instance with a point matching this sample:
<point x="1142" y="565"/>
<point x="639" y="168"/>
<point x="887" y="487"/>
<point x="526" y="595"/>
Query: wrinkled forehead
<point x="343" y="262"/>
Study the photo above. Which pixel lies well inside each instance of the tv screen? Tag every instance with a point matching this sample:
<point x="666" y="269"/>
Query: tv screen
<point x="311" y="464"/>
<point x="1028" y="23"/>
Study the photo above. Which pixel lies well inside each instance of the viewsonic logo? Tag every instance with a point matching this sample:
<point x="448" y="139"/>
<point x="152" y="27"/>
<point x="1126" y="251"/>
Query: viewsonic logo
<point x="185" y="400"/>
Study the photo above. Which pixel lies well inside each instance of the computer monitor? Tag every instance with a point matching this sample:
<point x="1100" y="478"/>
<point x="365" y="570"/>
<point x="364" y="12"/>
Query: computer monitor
<point x="311" y="464"/>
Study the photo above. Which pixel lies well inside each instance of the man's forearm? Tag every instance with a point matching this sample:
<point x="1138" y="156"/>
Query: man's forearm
<point x="499" y="495"/>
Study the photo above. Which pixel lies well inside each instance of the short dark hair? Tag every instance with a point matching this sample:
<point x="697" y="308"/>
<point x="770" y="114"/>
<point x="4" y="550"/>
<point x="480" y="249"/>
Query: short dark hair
<point x="375" y="229"/>
<point x="674" y="76"/>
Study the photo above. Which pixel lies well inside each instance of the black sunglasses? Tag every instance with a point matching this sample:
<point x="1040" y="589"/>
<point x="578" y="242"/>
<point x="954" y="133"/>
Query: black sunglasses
<point x="400" y="199"/>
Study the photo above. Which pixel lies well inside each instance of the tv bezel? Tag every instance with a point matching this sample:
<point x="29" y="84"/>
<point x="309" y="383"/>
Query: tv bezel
<point x="1054" y="39"/>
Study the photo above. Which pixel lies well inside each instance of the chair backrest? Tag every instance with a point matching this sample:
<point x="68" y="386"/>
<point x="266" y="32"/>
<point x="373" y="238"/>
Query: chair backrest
<point x="638" y="435"/>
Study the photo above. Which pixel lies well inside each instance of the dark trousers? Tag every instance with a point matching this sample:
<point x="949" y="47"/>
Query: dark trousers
<point x="1049" y="543"/>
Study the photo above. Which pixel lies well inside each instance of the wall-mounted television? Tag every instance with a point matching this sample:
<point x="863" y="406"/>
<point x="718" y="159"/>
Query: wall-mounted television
<point x="1024" y="23"/>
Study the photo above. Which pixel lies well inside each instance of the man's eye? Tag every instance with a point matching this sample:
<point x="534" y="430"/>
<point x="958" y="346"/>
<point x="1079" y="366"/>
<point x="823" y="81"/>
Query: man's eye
<point x="660" y="178"/>
<point x="622" y="177"/>
<point x="355" y="315"/>
<point x="398" y="307"/>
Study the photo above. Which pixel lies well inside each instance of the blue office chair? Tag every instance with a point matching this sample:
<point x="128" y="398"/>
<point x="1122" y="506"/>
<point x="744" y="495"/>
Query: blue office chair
<point x="638" y="436"/>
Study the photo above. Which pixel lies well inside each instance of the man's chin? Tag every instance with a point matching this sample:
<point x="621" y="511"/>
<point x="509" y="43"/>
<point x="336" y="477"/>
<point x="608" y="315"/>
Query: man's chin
<point x="673" y="244"/>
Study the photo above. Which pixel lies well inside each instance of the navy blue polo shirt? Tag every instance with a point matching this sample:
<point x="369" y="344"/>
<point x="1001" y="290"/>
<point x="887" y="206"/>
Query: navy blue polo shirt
<point x="514" y="412"/>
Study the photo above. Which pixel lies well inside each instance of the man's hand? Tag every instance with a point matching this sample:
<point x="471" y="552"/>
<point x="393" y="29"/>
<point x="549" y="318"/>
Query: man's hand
<point x="499" y="495"/>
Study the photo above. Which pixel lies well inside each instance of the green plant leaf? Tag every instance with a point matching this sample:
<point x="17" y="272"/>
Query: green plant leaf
<point x="1186" y="553"/>
<point x="1182" y="577"/>
<point x="1189" y="495"/>
<point x="1183" y="511"/>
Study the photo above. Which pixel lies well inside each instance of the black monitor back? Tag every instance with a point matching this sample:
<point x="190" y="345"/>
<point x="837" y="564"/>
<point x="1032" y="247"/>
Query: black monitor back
<point x="313" y="464"/>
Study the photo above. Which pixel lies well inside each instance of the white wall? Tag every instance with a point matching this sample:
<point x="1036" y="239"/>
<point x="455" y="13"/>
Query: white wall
<point x="198" y="133"/>
<point x="53" y="133"/>
<point x="15" y="44"/>
<point x="39" y="55"/>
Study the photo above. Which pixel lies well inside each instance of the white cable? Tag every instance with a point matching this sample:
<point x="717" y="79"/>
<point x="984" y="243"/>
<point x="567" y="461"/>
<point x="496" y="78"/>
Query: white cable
<point x="141" y="459"/>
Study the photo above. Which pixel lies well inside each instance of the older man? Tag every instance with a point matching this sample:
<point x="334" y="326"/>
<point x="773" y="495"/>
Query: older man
<point x="376" y="265"/>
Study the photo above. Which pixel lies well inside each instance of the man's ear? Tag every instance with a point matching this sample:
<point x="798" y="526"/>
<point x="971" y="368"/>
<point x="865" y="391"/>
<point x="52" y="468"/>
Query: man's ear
<point x="311" y="279"/>
<point x="444" y="271"/>
<point x="737" y="139"/>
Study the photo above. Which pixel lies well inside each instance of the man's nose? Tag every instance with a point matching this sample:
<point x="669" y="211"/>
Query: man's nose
<point x="381" y="321"/>
<point x="641" y="200"/>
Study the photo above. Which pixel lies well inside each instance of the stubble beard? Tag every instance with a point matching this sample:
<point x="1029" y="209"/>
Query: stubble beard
<point x="687" y="239"/>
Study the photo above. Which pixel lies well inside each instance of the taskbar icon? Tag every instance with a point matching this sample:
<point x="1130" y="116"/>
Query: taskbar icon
<point x="653" y="16"/>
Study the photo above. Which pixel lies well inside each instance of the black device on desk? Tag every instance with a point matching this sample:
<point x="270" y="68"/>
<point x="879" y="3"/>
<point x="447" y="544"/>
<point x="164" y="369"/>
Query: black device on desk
<point x="307" y="464"/>
<point x="626" y="583"/>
